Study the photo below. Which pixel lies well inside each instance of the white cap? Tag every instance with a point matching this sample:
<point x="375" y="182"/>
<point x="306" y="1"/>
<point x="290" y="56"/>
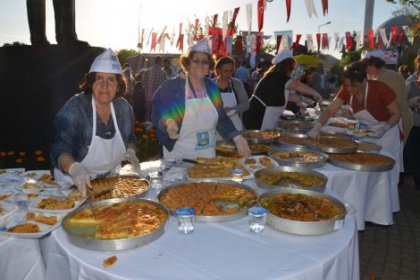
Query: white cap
<point x="376" y="53"/>
<point x="282" y="55"/>
<point x="202" y="46"/>
<point x="106" y="62"/>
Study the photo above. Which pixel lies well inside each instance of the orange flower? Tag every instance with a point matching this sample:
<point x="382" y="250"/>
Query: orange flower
<point x="145" y="136"/>
<point x="38" y="152"/>
<point x="154" y="139"/>
<point x="3" y="154"/>
<point x="22" y="154"/>
<point x="19" y="160"/>
<point x="137" y="129"/>
<point x="152" y="131"/>
<point x="11" y="153"/>
<point x="40" y="159"/>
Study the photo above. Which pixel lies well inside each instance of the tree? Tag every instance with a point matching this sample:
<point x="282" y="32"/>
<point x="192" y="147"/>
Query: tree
<point x="411" y="9"/>
<point x="123" y="54"/>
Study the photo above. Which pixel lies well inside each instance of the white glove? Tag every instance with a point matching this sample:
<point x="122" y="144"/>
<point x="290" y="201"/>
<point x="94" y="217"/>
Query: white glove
<point x="131" y="157"/>
<point x="314" y="132"/>
<point x="172" y="129"/>
<point x="242" y="146"/>
<point x="379" y="130"/>
<point x="80" y="176"/>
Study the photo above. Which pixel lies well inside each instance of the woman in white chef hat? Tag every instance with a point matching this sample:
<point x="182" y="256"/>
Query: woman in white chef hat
<point x="271" y="95"/>
<point x="94" y="130"/>
<point x="187" y="112"/>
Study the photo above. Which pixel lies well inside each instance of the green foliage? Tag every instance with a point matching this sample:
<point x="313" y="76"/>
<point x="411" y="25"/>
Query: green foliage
<point x="410" y="8"/>
<point x="350" y="57"/>
<point x="123" y="54"/>
<point x="14" y="44"/>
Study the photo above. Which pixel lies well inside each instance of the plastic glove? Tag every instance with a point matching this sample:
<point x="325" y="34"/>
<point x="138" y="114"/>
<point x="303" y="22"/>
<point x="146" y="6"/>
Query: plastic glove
<point x="131" y="157"/>
<point x="172" y="129"/>
<point x="80" y="176"/>
<point x="242" y="146"/>
<point x="379" y="130"/>
<point x="231" y="113"/>
<point x="314" y="132"/>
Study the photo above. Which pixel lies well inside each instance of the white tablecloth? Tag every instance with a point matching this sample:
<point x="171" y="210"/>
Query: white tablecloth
<point x="215" y="251"/>
<point x="372" y="194"/>
<point x="20" y="259"/>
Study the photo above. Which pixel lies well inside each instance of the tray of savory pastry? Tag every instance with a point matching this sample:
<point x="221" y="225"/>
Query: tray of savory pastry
<point x="367" y="147"/>
<point x="299" y="157"/>
<point x="255" y="163"/>
<point x="118" y="187"/>
<point x="116" y="224"/>
<point x="260" y="136"/>
<point x="213" y="200"/>
<point x="57" y="204"/>
<point x="216" y="168"/>
<point x="228" y="149"/>
<point x="373" y="162"/>
<point x="303" y="212"/>
<point x="332" y="144"/>
<point x="290" y="176"/>
<point x="293" y="139"/>
<point x="297" y="126"/>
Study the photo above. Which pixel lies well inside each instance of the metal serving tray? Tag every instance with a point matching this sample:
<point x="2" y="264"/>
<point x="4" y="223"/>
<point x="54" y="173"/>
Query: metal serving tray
<point x="261" y="184"/>
<point x="298" y="136"/>
<point x="114" y="244"/>
<point x="304" y="228"/>
<point x="296" y="125"/>
<point x="316" y="164"/>
<point x="260" y="140"/>
<point x="222" y="218"/>
<point x="363" y="167"/>
<point x="374" y="149"/>
<point x="234" y="151"/>
<point x="352" y="146"/>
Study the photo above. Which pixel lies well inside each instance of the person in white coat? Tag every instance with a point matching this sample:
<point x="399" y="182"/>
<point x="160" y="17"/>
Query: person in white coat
<point x="94" y="130"/>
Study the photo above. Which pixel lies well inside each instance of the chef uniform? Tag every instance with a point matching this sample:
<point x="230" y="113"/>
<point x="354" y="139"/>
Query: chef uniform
<point x="198" y="130"/>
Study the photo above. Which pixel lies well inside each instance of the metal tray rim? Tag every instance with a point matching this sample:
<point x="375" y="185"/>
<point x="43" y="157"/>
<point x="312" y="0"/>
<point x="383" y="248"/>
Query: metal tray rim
<point x="298" y="164"/>
<point x="361" y="167"/>
<point x="335" y="150"/>
<point x="260" y="140"/>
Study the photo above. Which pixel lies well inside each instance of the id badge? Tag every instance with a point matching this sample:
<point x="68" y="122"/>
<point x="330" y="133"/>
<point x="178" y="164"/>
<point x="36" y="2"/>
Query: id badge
<point x="203" y="140"/>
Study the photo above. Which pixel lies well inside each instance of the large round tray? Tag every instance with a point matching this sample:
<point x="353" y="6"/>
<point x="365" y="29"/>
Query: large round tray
<point x="138" y="194"/>
<point x="350" y="148"/>
<point x="363" y="167"/>
<point x="260" y="140"/>
<point x="304" y="228"/>
<point x="234" y="152"/>
<point x="222" y="218"/>
<point x="316" y="164"/>
<point x="298" y="136"/>
<point x="115" y="244"/>
<point x="373" y="148"/>
<point x="261" y="184"/>
<point x="296" y="125"/>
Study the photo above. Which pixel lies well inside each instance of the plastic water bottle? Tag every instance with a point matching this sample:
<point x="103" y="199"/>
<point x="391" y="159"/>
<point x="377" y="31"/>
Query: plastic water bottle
<point x="257" y="217"/>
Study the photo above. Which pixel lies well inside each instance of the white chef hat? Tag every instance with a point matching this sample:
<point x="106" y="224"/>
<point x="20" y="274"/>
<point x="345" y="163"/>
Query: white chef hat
<point x="106" y="62"/>
<point x="282" y="55"/>
<point x="376" y="53"/>
<point x="201" y="46"/>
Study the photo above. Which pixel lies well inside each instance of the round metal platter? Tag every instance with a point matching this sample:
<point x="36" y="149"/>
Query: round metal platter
<point x="292" y="140"/>
<point x="306" y="171"/>
<point x="220" y="218"/>
<point x="302" y="227"/>
<point x="296" y="125"/>
<point x="363" y="167"/>
<point x="350" y="147"/>
<point x="370" y="147"/>
<point x="231" y="151"/>
<point x="316" y="164"/>
<point x="260" y="140"/>
<point x="138" y="194"/>
<point x="113" y="244"/>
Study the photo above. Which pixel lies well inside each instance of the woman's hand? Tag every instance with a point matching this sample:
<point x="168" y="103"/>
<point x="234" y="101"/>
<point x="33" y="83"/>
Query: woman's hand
<point x="172" y="129"/>
<point x="242" y="146"/>
<point x="80" y="176"/>
<point x="131" y="157"/>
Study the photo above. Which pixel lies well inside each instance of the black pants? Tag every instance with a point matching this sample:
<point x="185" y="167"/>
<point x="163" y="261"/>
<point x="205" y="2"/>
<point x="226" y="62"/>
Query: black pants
<point x="412" y="154"/>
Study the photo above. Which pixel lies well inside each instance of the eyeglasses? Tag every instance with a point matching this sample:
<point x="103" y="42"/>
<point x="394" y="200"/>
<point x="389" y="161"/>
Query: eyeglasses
<point x="203" y="62"/>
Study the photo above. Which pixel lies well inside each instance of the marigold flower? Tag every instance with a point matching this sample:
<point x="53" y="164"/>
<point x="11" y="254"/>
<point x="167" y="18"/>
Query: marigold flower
<point x="152" y="131"/>
<point x="137" y="129"/>
<point x="22" y="154"/>
<point x="19" y="160"/>
<point x="154" y="139"/>
<point x="145" y="136"/>
<point x="40" y="159"/>
<point x="38" y="152"/>
<point x="3" y="154"/>
<point x="11" y="153"/>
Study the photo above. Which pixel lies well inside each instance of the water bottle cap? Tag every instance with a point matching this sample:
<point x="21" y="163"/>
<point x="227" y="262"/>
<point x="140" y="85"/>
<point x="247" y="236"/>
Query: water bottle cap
<point x="185" y="212"/>
<point x="257" y="211"/>
<point x="237" y="171"/>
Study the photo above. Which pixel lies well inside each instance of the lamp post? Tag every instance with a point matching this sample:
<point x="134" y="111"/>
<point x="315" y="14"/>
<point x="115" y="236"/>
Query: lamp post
<point x="319" y="26"/>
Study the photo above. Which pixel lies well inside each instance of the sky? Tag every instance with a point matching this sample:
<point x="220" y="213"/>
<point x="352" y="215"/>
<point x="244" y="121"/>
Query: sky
<point x="116" y="23"/>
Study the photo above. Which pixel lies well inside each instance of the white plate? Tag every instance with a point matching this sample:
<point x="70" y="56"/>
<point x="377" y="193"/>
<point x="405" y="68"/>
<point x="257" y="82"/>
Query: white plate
<point x="254" y="167"/>
<point x="9" y="210"/>
<point x="33" y="205"/>
<point x="36" y="189"/>
<point x="35" y="174"/>
<point x="21" y="219"/>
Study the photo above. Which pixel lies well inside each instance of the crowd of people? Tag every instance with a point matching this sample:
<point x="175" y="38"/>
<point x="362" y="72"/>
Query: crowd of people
<point x="208" y="99"/>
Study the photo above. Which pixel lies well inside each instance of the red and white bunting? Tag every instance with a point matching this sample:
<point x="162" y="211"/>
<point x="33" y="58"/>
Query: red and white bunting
<point x="310" y="8"/>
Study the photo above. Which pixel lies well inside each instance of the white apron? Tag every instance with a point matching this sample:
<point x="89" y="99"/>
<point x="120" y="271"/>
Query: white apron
<point x="103" y="154"/>
<point x="197" y="134"/>
<point x="388" y="143"/>
<point x="272" y="113"/>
